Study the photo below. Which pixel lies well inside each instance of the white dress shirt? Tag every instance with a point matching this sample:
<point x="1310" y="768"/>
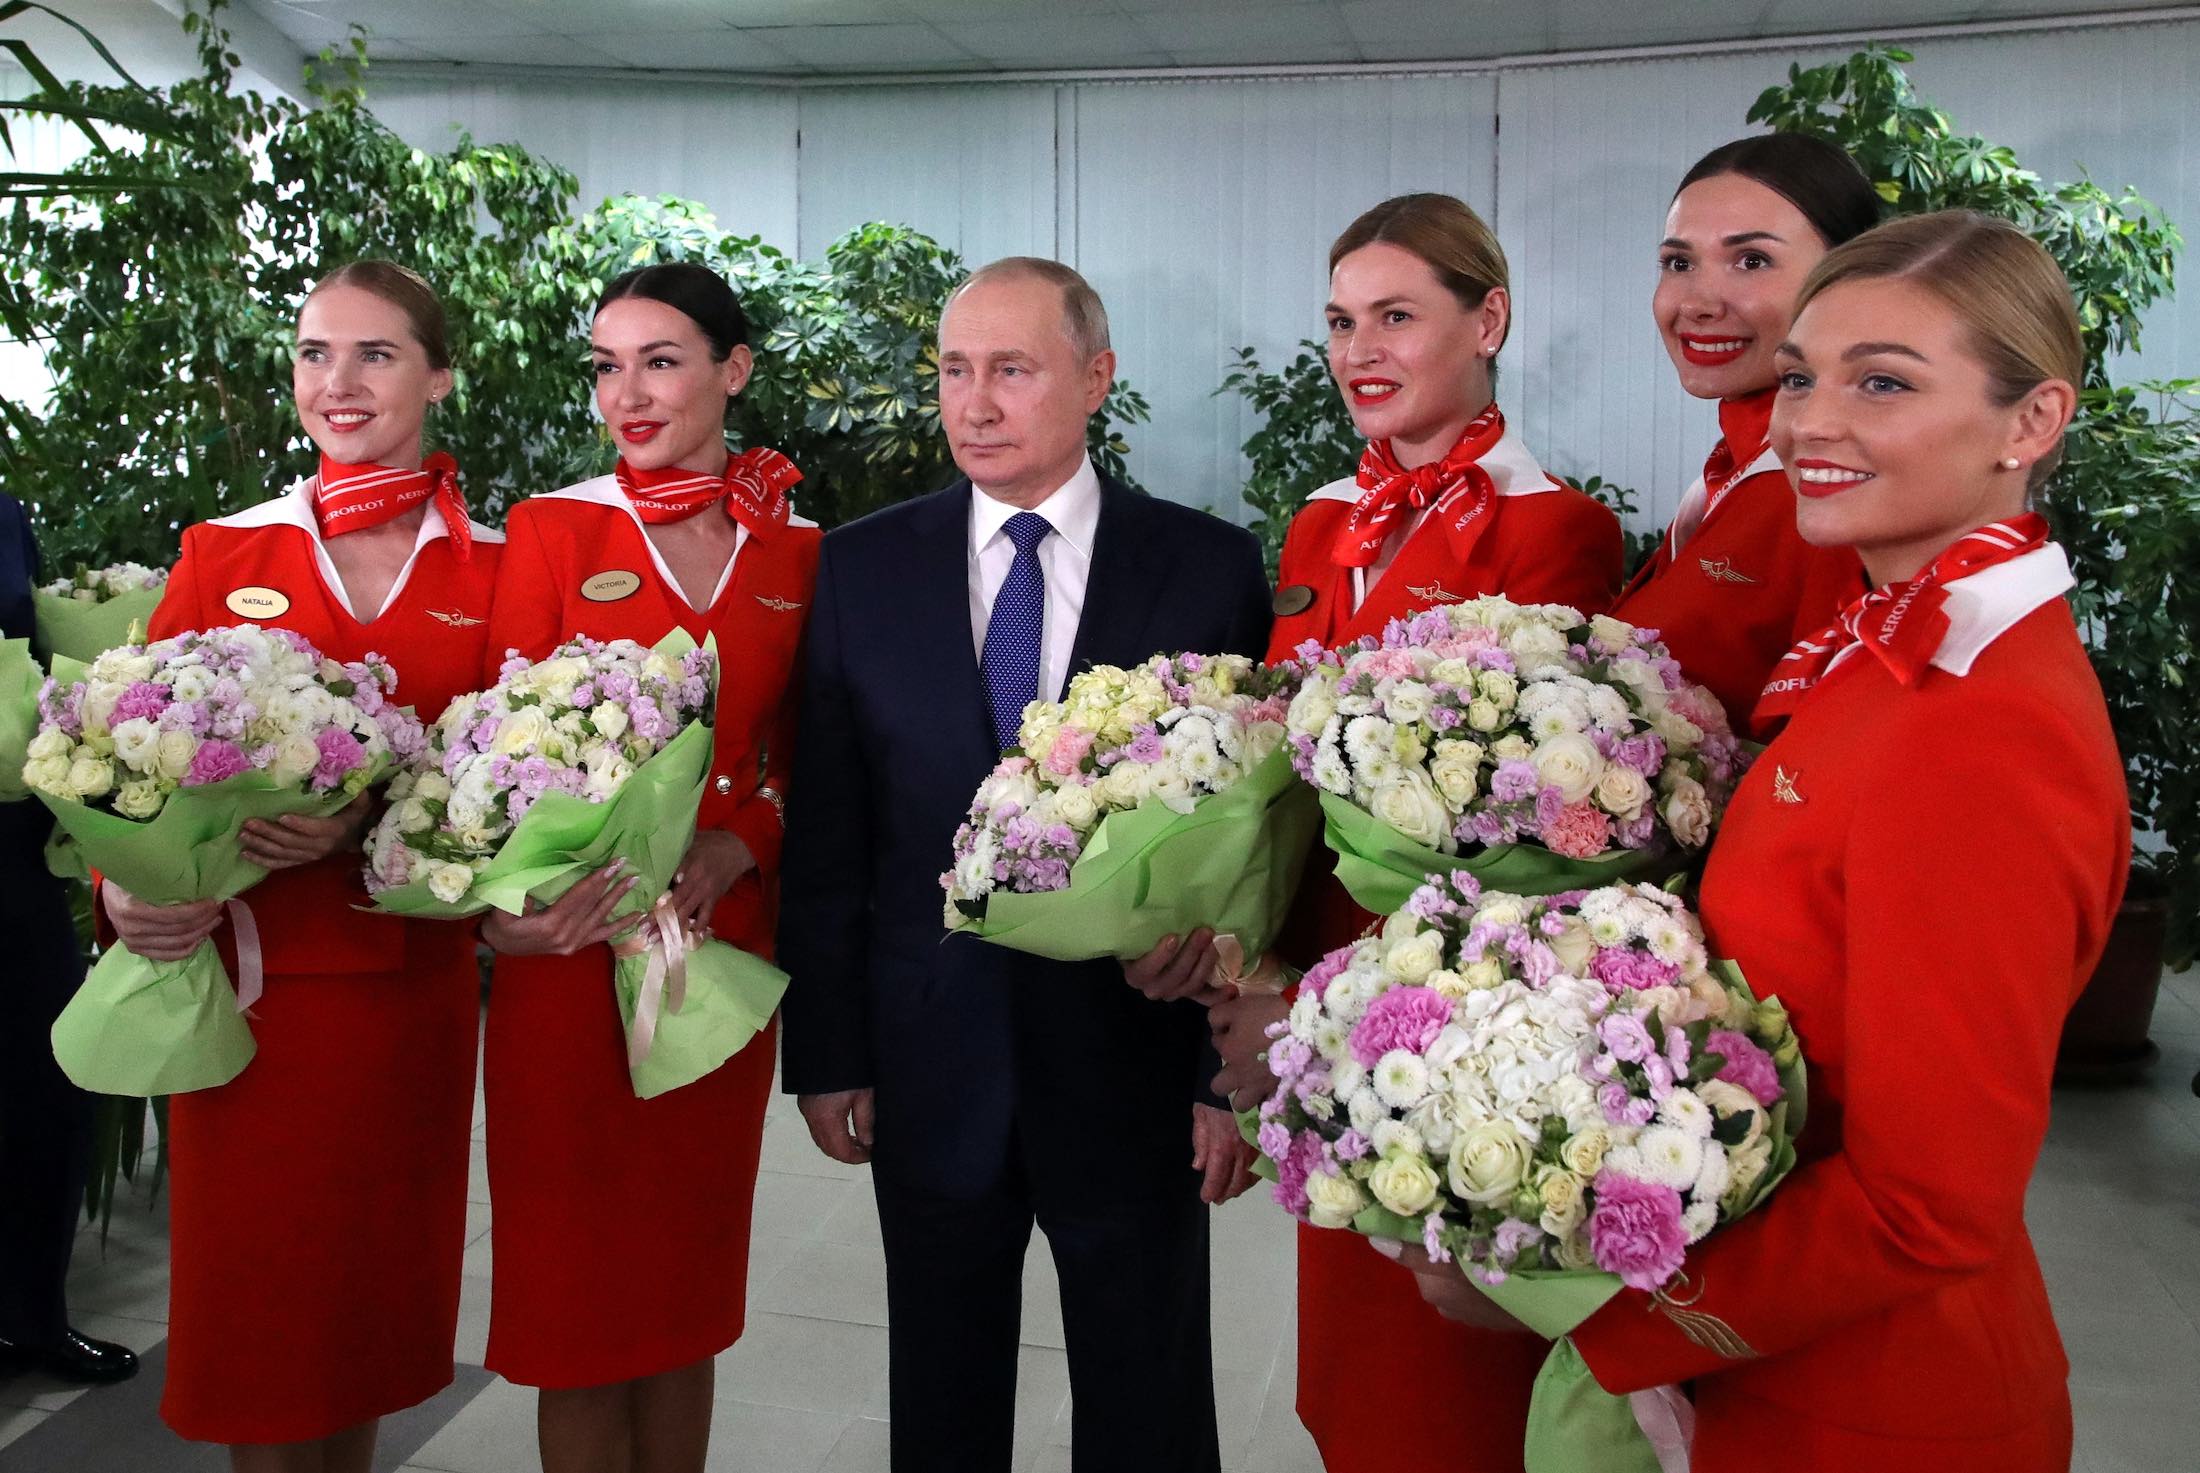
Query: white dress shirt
<point x="1065" y="562"/>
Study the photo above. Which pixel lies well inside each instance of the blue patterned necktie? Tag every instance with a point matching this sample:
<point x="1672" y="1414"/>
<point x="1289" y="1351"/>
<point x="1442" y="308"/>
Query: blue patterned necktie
<point x="1012" y="634"/>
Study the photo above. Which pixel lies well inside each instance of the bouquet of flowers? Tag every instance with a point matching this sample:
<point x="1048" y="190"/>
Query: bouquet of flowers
<point x="152" y="758"/>
<point x="1147" y="802"/>
<point x="97" y="609"/>
<point x="596" y="752"/>
<point x="1564" y="1094"/>
<point x="1540" y="750"/>
<point x="19" y="682"/>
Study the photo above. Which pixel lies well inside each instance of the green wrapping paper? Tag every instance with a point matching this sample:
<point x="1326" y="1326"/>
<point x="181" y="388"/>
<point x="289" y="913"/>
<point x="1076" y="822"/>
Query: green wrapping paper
<point x="20" y="678"/>
<point x="1232" y="864"/>
<point x="1381" y="867"/>
<point x="85" y="631"/>
<point x="142" y="1027"/>
<point x="649" y="823"/>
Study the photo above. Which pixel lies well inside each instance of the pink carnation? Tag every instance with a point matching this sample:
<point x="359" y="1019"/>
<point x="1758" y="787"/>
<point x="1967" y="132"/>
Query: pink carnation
<point x="1325" y="971"/>
<point x="213" y="762"/>
<point x="1635" y="1230"/>
<point x="1747" y="1066"/>
<point x="1406" y="1018"/>
<point x="340" y="754"/>
<point x="1579" y="832"/>
<point x="1070" y="746"/>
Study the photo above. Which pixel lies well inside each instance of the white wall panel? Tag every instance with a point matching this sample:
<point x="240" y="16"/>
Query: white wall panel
<point x="731" y="148"/>
<point x="972" y="167"/>
<point x="1204" y="212"/>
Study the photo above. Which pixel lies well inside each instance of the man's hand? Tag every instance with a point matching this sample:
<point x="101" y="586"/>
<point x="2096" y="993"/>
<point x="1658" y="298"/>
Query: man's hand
<point x="294" y="839"/>
<point x="715" y="861"/>
<point x="1240" y="1027"/>
<point x="1445" y="1287"/>
<point x="1220" y="1155"/>
<point x="840" y="1123"/>
<point x="1180" y="967"/>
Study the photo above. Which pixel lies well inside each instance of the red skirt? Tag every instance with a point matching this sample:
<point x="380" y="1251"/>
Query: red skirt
<point x="1738" y="1433"/>
<point x="318" y="1212"/>
<point x="620" y="1227"/>
<point x="1448" y="1399"/>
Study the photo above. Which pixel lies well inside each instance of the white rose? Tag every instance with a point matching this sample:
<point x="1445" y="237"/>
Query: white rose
<point x="1574" y="1252"/>
<point x="610" y="720"/>
<point x="1333" y="1201"/>
<point x="1410" y="805"/>
<point x="1565" y="1201"/>
<point x="1409" y="700"/>
<point x="1415" y="957"/>
<point x="1730" y="1100"/>
<point x="1621" y="791"/>
<point x="1484" y="715"/>
<point x="140" y="798"/>
<point x="431" y="787"/>
<point x="295" y="756"/>
<point x="1312" y="707"/>
<point x="1609" y="631"/>
<point x="48" y="775"/>
<point x="1584" y="1151"/>
<point x="1681" y="734"/>
<point x="1404" y="1184"/>
<point x="1570" y="763"/>
<point x="52" y="742"/>
<point x="1457" y="772"/>
<point x="1574" y="946"/>
<point x="1074" y="806"/>
<point x="1499" y="686"/>
<point x="447" y="882"/>
<point x="91" y="777"/>
<point x="1746" y="1166"/>
<point x="524" y="728"/>
<point x="1487" y="1163"/>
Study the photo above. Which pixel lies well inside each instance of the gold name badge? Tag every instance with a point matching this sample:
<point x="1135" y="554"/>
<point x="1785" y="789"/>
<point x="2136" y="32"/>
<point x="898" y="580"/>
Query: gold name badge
<point x="609" y="588"/>
<point x="1292" y="598"/>
<point x="257" y="603"/>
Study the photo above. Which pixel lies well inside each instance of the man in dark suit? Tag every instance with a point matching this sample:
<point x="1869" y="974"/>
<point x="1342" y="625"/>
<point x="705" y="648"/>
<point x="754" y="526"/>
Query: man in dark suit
<point x="45" y="1121"/>
<point x="990" y="1089"/>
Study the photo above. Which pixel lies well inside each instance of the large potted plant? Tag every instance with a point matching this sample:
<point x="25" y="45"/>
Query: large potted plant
<point x="2125" y="503"/>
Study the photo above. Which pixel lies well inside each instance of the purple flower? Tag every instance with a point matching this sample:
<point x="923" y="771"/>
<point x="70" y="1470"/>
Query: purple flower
<point x="1635" y="1230"/>
<point x="1747" y="1066"/>
<point x="1624" y="967"/>
<point x="1512" y="782"/>
<point x="1145" y="746"/>
<point x="144" y="700"/>
<point x="1325" y="971"/>
<point x="1644" y="753"/>
<point x="1406" y="1018"/>
<point x="1550" y="804"/>
<point x="1623" y="1108"/>
<point x="1351" y="1146"/>
<point x="213" y="762"/>
<point x="1624" y="1035"/>
<point x="1288" y="1057"/>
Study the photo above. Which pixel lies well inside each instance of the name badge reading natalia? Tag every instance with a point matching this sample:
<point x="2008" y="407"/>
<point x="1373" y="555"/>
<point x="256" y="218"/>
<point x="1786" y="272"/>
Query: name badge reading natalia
<point x="257" y="603"/>
<point x="1295" y="598"/>
<point x="609" y="588"/>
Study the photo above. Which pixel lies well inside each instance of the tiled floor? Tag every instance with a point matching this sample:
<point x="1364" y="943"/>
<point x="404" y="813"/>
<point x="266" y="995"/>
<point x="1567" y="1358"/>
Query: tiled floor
<point x="2115" y="1210"/>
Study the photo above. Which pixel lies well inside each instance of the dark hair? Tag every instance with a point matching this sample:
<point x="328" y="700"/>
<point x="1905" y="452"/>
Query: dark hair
<point x="1809" y="173"/>
<point x="404" y="289"/>
<point x="698" y="292"/>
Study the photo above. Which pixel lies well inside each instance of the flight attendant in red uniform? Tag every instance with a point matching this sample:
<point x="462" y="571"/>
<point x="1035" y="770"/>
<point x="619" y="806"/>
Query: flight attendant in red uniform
<point x="1732" y="585"/>
<point x="1923" y="865"/>
<point x="621" y="1226"/>
<point x="319" y="1210"/>
<point x="1447" y="505"/>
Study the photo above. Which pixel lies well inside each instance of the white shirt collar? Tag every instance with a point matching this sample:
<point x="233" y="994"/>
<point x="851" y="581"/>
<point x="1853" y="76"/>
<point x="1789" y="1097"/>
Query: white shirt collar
<point x="294" y="508"/>
<point x="1989" y="603"/>
<point x="1072" y="509"/>
<point x="1512" y="469"/>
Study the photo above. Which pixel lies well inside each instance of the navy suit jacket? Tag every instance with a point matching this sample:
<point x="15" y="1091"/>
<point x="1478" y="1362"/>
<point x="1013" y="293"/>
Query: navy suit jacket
<point x="971" y="1046"/>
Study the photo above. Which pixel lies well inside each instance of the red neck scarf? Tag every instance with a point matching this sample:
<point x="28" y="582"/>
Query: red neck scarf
<point x="1457" y="486"/>
<point x="1902" y="624"/>
<point x="1745" y="429"/>
<point x="753" y="491"/>
<point x="352" y="498"/>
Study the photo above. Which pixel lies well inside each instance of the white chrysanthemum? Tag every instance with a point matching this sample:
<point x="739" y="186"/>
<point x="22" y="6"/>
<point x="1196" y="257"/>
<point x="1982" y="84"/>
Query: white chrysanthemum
<point x="1671" y="1157"/>
<point x="1684" y="1109"/>
<point x="1401" y="1079"/>
<point x="1395" y="1137"/>
<point x="1363" y="1108"/>
<point x="1713" y="1176"/>
<point x="1699" y="1218"/>
<point x="1368" y="740"/>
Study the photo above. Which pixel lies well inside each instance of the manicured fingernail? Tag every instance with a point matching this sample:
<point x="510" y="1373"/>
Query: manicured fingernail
<point x="1389" y="1250"/>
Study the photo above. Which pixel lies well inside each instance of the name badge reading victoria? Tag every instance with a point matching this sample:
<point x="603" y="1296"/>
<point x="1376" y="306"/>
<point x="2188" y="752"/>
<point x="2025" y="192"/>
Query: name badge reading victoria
<point x="609" y="588"/>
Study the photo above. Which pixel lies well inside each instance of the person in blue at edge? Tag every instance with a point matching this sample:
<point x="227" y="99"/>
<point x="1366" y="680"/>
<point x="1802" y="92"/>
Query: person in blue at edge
<point x="45" y="1121"/>
<point x="990" y="1089"/>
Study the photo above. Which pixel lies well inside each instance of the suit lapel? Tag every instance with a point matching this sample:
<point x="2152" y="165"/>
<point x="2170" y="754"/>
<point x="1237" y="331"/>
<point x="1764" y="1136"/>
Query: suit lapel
<point x="1123" y="587"/>
<point x="939" y="619"/>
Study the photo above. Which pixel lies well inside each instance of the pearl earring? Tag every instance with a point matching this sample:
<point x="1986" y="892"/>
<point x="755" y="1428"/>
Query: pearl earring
<point x="2010" y="462"/>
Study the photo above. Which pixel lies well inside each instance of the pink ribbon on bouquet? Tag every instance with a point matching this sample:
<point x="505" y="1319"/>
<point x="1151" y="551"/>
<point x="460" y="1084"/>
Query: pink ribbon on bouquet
<point x="1265" y="975"/>
<point x="1668" y="1418"/>
<point x="251" y="974"/>
<point x="667" y="941"/>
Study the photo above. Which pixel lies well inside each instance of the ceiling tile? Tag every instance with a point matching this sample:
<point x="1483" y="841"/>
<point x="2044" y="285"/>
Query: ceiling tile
<point x="527" y="51"/>
<point x="1264" y="33"/>
<point x="812" y="12"/>
<point x="864" y="47"/>
<point x="1058" y="40"/>
<point x="721" y="49"/>
<point x="401" y="18"/>
<point x="1407" y="30"/>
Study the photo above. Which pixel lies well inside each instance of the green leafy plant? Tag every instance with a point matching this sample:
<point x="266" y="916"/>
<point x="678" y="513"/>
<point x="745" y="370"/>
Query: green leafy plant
<point x="2124" y="502"/>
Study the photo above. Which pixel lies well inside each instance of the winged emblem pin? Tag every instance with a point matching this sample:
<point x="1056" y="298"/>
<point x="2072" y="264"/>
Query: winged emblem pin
<point x="1722" y="570"/>
<point x="457" y="619"/>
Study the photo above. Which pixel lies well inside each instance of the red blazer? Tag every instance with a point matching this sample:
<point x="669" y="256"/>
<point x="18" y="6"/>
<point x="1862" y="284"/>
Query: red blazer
<point x="579" y="563"/>
<point x="433" y="632"/>
<point x="1925" y="877"/>
<point x="1546" y="543"/>
<point x="1742" y="590"/>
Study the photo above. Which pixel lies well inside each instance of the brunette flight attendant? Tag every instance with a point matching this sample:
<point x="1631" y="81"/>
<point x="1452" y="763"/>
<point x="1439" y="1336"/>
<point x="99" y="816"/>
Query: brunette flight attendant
<point x="1732" y="585"/>
<point x="1447" y="505"/>
<point x="319" y="1206"/>
<point x="621" y="1238"/>
<point x="1923" y="865"/>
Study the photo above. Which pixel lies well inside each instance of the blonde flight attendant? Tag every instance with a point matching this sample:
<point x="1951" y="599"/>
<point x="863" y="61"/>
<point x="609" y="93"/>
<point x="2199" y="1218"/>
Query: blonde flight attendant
<point x="1923" y="865"/>
<point x="319" y="1207"/>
